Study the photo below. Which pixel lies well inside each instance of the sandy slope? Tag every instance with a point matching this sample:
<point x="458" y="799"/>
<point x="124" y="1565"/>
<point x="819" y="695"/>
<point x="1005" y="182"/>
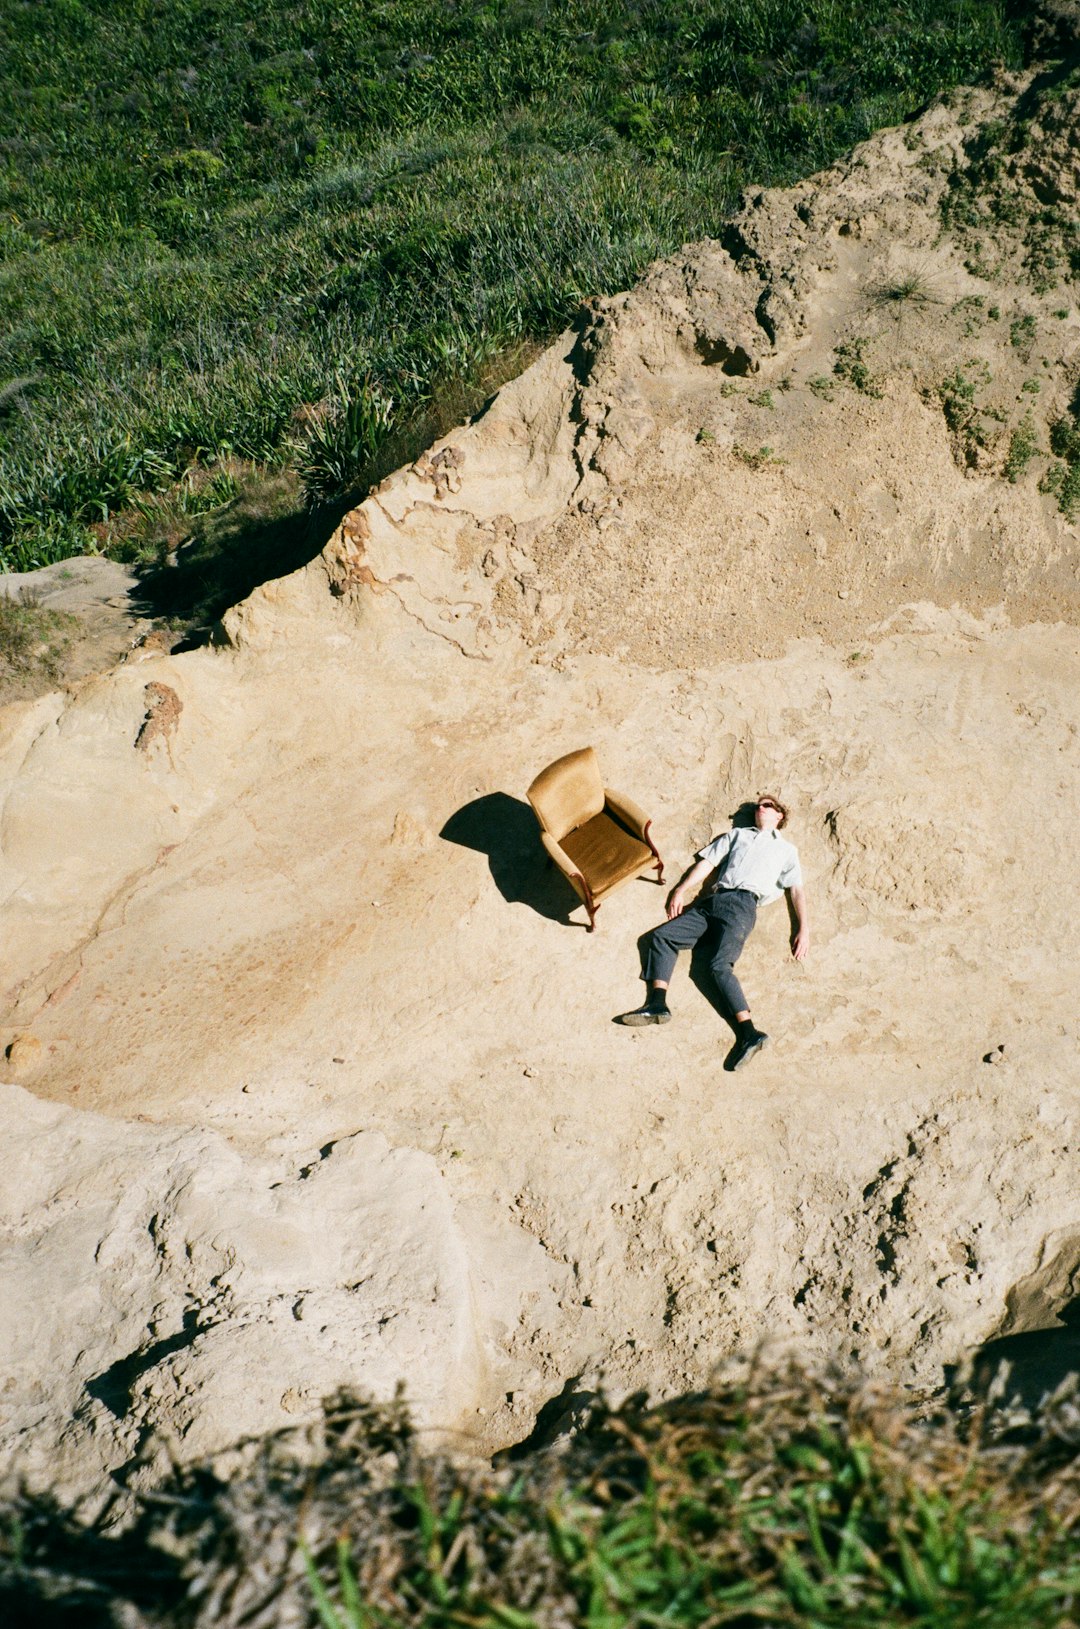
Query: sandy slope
<point x="314" y="1079"/>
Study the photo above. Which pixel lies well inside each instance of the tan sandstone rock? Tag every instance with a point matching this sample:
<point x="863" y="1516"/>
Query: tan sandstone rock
<point x="329" y="1091"/>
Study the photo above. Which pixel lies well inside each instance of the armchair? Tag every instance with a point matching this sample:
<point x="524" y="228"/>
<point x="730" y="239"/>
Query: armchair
<point x="596" y="837"/>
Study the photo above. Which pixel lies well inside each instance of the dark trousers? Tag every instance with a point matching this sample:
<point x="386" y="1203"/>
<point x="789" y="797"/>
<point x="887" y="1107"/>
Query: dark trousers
<point x="729" y="917"/>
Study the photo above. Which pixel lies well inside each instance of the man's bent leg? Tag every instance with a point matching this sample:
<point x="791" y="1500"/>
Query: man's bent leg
<point x="664" y="943"/>
<point x="661" y="952"/>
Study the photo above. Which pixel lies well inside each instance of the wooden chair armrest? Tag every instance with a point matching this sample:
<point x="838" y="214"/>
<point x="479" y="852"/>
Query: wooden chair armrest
<point x="559" y="855"/>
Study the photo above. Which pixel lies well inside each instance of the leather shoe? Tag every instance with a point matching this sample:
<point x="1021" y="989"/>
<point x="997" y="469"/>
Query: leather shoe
<point x="745" y="1048"/>
<point x="648" y="1014"/>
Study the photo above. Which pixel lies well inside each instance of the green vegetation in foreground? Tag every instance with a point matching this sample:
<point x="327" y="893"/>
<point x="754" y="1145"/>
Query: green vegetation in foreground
<point x="781" y="1501"/>
<point x="251" y="234"/>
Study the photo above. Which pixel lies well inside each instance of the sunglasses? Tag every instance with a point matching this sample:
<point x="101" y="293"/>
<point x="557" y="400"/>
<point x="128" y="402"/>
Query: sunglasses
<point x="767" y="803"/>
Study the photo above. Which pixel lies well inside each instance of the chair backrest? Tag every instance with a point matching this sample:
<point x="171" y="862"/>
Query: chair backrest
<point x="567" y="793"/>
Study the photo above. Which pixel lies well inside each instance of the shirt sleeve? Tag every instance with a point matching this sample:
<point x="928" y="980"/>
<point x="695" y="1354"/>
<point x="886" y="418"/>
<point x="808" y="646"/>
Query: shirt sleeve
<point x="791" y="875"/>
<point x="718" y="849"/>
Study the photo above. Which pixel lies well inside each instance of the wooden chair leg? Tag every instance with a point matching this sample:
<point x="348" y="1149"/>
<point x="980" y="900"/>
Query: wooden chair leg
<point x="655" y="851"/>
<point x="590" y="904"/>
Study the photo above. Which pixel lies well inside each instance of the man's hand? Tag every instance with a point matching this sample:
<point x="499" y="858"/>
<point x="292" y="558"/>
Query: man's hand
<point x="800" y="939"/>
<point x="675" y="903"/>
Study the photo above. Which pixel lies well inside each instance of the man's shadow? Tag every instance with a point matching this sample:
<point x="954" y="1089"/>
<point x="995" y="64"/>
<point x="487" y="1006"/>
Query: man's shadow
<point x="505" y="829"/>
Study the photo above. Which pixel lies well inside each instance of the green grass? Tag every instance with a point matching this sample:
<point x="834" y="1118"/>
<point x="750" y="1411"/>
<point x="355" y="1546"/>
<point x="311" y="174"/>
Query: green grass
<point x="776" y="1500"/>
<point x="275" y="234"/>
<point x="32" y="640"/>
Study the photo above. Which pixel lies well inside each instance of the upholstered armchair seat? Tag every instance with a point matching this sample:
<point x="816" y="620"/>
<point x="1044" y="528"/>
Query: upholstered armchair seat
<point x="606" y="853"/>
<point x="597" y="838"/>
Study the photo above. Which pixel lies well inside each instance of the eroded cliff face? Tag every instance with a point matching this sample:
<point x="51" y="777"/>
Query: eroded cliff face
<point x="313" y="1075"/>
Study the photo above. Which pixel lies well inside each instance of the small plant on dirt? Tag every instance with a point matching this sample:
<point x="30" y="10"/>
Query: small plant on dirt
<point x="1023" y="445"/>
<point x="971" y="308"/>
<point x="911" y="288"/>
<point x="1022" y="334"/>
<point x="1065" y="439"/>
<point x="1063" y="479"/>
<point x="976" y="428"/>
<point x="764" y="398"/>
<point x="755" y="460"/>
<point x="956" y="393"/>
<point x="821" y="386"/>
<point x="851" y="367"/>
<point x="705" y="437"/>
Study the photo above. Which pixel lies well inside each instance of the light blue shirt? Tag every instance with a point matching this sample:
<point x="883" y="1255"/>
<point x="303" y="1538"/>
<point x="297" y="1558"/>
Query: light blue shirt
<point x="762" y="862"/>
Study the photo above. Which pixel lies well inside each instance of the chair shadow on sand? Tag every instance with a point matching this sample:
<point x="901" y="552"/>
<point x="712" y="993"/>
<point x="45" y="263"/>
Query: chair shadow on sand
<point x="505" y="829"/>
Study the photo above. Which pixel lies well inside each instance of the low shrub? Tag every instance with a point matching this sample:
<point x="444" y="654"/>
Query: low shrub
<point x="1023" y="445"/>
<point x="852" y="369"/>
<point x="779" y="1498"/>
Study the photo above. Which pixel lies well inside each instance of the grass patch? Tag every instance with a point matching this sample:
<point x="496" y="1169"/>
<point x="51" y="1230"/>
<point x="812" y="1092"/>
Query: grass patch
<point x="1022" y="334"/>
<point x="276" y="234"/>
<point x="773" y="1500"/>
<point x="906" y="289"/>
<point x="33" y="640"/>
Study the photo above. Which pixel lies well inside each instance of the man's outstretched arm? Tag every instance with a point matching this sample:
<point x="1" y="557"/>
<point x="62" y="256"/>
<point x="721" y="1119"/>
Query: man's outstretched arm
<point x="800" y="939"/>
<point x="677" y="898"/>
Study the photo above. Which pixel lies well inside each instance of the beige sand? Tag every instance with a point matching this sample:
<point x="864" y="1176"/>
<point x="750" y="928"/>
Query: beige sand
<point x="314" y="1079"/>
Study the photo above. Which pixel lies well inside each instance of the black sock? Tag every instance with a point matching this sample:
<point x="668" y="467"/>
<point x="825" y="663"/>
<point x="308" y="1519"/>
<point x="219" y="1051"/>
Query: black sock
<point x="746" y="1027"/>
<point x="657" y="1001"/>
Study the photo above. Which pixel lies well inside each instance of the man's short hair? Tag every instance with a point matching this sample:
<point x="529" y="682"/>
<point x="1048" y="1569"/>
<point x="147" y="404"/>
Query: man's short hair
<point x="770" y="797"/>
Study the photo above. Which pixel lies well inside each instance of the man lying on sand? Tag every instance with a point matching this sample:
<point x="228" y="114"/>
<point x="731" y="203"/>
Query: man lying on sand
<point x="754" y="865"/>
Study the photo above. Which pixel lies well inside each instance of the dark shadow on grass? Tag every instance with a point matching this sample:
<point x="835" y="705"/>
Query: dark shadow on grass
<point x="269" y="531"/>
<point x="505" y="829"/>
<point x="74" y="1575"/>
<point x="230" y="553"/>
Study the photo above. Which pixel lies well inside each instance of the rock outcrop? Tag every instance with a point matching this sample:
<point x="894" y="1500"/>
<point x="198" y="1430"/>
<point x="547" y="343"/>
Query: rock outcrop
<point x="313" y="1075"/>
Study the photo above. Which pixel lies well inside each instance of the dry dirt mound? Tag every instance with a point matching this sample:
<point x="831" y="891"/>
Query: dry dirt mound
<point x="314" y="1080"/>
